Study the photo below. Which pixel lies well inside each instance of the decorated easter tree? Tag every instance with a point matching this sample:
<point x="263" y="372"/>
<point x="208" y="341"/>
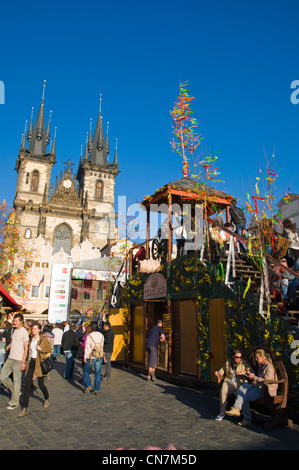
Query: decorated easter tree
<point x="265" y="244"/>
<point x="185" y="142"/>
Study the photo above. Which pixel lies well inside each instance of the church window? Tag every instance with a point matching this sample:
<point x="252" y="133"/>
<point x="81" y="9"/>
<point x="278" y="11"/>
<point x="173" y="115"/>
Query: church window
<point x="99" y="187"/>
<point x="27" y="178"/>
<point x="62" y="239"/>
<point x="28" y="233"/>
<point x="34" y="182"/>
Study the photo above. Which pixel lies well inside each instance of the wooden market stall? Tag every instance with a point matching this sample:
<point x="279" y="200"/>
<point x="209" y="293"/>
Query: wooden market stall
<point x="179" y="354"/>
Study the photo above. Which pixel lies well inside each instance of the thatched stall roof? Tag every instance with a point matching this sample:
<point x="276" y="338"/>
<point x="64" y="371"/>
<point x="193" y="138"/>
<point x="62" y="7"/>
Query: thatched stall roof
<point x="188" y="190"/>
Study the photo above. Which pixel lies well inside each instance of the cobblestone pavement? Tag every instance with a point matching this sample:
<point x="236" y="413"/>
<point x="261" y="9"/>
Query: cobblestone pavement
<point x="130" y="413"/>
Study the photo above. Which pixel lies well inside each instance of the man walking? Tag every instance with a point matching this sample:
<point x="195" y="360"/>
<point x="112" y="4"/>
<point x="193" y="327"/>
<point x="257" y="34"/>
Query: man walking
<point x="16" y="360"/>
<point x="108" y="349"/>
<point x="93" y="357"/>
<point x="70" y="344"/>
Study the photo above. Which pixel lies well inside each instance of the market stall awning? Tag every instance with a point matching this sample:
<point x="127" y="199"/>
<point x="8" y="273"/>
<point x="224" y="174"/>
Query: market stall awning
<point x="98" y="269"/>
<point x="8" y="301"/>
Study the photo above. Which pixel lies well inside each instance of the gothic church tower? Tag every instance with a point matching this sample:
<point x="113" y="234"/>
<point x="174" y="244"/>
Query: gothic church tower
<point x="96" y="177"/>
<point x="80" y="206"/>
<point x="34" y="168"/>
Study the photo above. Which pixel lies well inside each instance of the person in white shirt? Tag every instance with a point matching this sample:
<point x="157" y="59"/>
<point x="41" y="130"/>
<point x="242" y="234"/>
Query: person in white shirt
<point x="16" y="361"/>
<point x="95" y="339"/>
<point x="57" y="332"/>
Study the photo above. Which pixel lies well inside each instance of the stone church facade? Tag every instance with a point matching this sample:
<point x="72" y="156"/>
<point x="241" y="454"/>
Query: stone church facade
<point x="76" y="208"/>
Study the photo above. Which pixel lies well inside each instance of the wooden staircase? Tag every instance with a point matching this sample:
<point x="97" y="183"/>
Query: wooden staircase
<point x="245" y="268"/>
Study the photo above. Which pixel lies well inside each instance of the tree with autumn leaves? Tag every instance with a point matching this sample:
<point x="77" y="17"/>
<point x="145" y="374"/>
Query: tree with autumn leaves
<point x="15" y="257"/>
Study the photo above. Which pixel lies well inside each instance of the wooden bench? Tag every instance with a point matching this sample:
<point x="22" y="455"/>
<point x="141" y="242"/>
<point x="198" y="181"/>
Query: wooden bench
<point x="275" y="407"/>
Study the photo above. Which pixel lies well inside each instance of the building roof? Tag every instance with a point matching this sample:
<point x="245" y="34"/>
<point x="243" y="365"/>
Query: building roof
<point x="185" y="190"/>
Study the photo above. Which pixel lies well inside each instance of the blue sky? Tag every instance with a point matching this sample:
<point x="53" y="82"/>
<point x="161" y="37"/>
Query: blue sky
<point x="239" y="58"/>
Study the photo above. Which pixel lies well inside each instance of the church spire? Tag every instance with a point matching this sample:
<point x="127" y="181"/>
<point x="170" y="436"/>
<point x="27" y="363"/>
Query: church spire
<point x="38" y="140"/>
<point x="30" y="130"/>
<point x="53" y="149"/>
<point x="85" y="157"/>
<point x="90" y="137"/>
<point x="47" y="138"/>
<point x="98" y="154"/>
<point x="115" y="155"/>
<point x="107" y="140"/>
<point x="23" y="142"/>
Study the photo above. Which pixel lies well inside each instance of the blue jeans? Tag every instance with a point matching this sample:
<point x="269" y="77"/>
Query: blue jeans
<point x="239" y="231"/>
<point x="70" y="362"/>
<point x="97" y="363"/>
<point x="56" y="351"/>
<point x="246" y="394"/>
<point x="289" y="289"/>
<point x="284" y="288"/>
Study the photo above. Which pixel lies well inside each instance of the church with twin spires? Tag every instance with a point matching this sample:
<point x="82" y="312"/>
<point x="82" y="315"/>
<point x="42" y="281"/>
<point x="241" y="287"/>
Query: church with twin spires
<point x="67" y="220"/>
<point x="77" y="206"/>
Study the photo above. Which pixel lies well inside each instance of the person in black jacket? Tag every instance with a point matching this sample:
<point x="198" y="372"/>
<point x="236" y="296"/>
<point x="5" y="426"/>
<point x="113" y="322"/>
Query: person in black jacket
<point x="70" y="344"/>
<point x="108" y="349"/>
<point x="238" y="218"/>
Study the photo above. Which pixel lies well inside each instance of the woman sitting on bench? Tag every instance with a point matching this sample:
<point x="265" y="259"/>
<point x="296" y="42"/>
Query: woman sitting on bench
<point x="234" y="374"/>
<point x="253" y="391"/>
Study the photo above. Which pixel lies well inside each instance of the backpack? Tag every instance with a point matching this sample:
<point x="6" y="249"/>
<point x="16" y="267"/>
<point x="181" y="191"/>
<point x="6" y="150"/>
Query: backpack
<point x="97" y="350"/>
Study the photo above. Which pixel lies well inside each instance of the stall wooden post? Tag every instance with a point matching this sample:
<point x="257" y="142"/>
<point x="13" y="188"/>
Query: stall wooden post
<point x="147" y="231"/>
<point x="130" y="262"/>
<point x="169" y="256"/>
<point x="227" y="214"/>
<point x="169" y="251"/>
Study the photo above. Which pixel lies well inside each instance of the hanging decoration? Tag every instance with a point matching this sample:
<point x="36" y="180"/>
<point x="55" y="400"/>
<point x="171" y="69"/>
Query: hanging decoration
<point x="186" y="139"/>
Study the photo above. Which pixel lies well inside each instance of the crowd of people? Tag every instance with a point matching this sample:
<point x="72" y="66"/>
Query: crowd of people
<point x="27" y="345"/>
<point x="283" y="282"/>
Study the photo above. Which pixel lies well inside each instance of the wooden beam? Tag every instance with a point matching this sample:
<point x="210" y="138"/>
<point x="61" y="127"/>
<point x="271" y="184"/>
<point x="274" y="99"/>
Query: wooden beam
<point x="169" y="251"/>
<point x="147" y="231"/>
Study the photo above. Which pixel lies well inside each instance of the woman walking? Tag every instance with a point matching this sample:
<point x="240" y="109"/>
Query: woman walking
<point x="39" y="349"/>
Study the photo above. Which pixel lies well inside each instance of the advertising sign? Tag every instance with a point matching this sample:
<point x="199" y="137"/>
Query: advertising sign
<point x="155" y="287"/>
<point x="59" y="292"/>
<point x="96" y="275"/>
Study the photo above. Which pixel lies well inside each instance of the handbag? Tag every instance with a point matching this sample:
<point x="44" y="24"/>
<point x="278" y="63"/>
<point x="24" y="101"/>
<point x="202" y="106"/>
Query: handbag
<point x="46" y="365"/>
